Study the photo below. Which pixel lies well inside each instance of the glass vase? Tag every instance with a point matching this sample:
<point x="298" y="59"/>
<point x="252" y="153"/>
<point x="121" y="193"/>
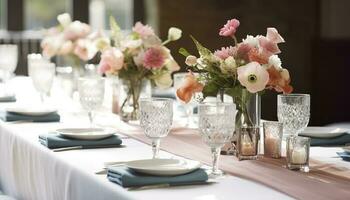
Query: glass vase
<point x="131" y="90"/>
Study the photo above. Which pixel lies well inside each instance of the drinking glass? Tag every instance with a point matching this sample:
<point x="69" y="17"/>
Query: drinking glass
<point x="42" y="73"/>
<point x="156" y="119"/>
<point x="273" y="132"/>
<point x="293" y="110"/>
<point x="179" y="79"/>
<point x="298" y="153"/>
<point x="91" y="93"/>
<point x="8" y="64"/>
<point x="216" y="125"/>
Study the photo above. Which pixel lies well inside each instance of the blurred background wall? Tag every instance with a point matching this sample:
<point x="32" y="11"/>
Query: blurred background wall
<point x="317" y="36"/>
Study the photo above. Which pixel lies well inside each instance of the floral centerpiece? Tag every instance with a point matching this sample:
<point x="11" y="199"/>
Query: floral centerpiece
<point x="138" y="57"/>
<point x="241" y="71"/>
<point x="72" y="40"/>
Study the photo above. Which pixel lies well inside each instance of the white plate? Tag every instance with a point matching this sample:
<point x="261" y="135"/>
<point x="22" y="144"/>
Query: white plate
<point x="31" y="111"/>
<point x="163" y="167"/>
<point x="85" y="133"/>
<point x="323" y="132"/>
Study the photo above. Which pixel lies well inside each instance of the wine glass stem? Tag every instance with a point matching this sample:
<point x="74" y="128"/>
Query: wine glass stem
<point x="155" y="147"/>
<point x="90" y="118"/>
<point x="215" y="152"/>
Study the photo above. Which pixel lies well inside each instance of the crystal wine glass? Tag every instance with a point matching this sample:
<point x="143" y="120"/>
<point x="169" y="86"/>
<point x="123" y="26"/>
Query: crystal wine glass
<point x="178" y="81"/>
<point x="91" y="93"/>
<point x="216" y="125"/>
<point x="8" y="62"/>
<point x="293" y="110"/>
<point x="156" y="120"/>
<point x="42" y="73"/>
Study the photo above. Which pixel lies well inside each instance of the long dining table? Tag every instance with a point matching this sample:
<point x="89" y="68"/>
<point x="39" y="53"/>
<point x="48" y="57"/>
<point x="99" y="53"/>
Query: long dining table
<point x="29" y="170"/>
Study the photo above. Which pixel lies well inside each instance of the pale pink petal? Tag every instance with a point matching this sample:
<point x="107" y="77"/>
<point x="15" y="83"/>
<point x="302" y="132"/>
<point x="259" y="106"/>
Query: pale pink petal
<point x="273" y="35"/>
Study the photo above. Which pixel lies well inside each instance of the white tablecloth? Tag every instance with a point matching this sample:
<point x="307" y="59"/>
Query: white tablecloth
<point x="29" y="170"/>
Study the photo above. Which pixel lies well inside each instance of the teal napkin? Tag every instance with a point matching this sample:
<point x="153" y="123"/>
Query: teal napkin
<point x="336" y="141"/>
<point x="8" y="117"/>
<point x="128" y="178"/>
<point x="8" y="99"/>
<point x="345" y="156"/>
<point x="53" y="140"/>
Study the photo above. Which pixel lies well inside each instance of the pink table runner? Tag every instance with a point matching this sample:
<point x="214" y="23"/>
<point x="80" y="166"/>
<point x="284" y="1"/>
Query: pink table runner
<point x="322" y="182"/>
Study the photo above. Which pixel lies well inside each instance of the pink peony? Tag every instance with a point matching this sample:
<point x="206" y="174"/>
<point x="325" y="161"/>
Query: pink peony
<point x="229" y="28"/>
<point x="112" y="60"/>
<point x="253" y="76"/>
<point x="225" y="52"/>
<point x="143" y="30"/>
<point x="154" y="57"/>
<point x="273" y="35"/>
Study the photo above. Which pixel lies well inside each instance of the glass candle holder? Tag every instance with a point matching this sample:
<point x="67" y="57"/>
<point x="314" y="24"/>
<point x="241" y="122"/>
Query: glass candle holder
<point x="273" y="132"/>
<point x="247" y="143"/>
<point x="298" y="150"/>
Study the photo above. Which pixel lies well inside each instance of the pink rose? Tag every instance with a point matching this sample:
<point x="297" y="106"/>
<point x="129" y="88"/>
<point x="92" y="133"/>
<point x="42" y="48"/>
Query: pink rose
<point x="112" y="60"/>
<point x="143" y="30"/>
<point x="229" y="28"/>
<point x="85" y="49"/>
<point x="76" y="30"/>
<point x="226" y="52"/>
<point x="154" y="57"/>
<point x="253" y="76"/>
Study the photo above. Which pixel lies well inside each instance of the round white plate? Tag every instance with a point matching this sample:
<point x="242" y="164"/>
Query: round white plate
<point x="323" y="132"/>
<point x="31" y="111"/>
<point x="163" y="167"/>
<point x="85" y="133"/>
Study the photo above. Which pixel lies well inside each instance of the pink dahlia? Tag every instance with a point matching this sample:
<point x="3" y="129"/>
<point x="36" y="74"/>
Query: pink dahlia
<point x="143" y="30"/>
<point x="225" y="52"/>
<point x="229" y="28"/>
<point x="154" y="57"/>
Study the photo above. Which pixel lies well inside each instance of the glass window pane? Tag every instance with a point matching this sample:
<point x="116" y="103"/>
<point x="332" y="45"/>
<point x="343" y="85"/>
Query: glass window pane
<point x="3" y="16"/>
<point x="100" y="10"/>
<point x="42" y="13"/>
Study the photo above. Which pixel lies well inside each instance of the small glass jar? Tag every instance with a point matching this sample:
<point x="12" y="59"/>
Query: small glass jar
<point x="247" y="143"/>
<point x="298" y="151"/>
<point x="273" y="132"/>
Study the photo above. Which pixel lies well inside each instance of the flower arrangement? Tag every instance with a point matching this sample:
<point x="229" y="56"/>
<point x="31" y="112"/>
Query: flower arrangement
<point x="137" y="56"/>
<point x="247" y="68"/>
<point x="72" y="39"/>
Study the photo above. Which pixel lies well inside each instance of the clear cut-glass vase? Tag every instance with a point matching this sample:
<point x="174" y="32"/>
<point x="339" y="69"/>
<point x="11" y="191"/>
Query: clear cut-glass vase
<point x="248" y="107"/>
<point x="131" y="90"/>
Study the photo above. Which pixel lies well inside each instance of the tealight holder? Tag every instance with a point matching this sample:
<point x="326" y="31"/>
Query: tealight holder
<point x="298" y="151"/>
<point x="247" y="143"/>
<point x="273" y="132"/>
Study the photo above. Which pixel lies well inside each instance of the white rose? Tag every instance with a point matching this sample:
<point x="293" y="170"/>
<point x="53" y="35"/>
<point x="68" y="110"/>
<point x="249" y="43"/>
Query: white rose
<point x="174" y="34"/>
<point x="275" y="61"/>
<point x="164" y="81"/>
<point x="191" y="60"/>
<point x="51" y="45"/>
<point x="64" y="19"/>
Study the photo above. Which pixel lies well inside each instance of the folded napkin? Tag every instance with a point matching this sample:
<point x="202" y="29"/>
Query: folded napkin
<point x="335" y="141"/>
<point x="345" y="156"/>
<point x="128" y="178"/>
<point x="53" y="140"/>
<point x="7" y="99"/>
<point x="9" y="116"/>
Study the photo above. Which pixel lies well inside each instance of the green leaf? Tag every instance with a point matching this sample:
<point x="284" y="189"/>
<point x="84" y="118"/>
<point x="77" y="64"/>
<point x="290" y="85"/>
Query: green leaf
<point x="234" y="92"/>
<point x="184" y="52"/>
<point x="210" y="89"/>
<point x="201" y="49"/>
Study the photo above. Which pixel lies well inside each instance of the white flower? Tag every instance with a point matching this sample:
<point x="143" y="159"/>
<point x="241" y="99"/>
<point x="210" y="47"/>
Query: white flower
<point x="172" y="65"/>
<point x="191" y="60"/>
<point x="131" y="44"/>
<point x="174" y="34"/>
<point x="164" y="81"/>
<point x="251" y="41"/>
<point x="228" y="65"/>
<point x="102" y="43"/>
<point x="64" y="19"/>
<point x="253" y="76"/>
<point x="275" y="61"/>
<point x="51" y="45"/>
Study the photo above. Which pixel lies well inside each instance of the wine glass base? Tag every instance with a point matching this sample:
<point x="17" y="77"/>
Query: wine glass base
<point x="214" y="174"/>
